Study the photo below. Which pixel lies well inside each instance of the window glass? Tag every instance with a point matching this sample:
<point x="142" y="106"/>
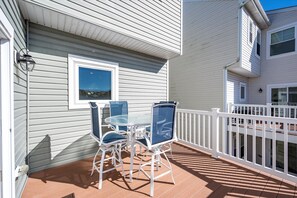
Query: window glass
<point x="292" y="96"/>
<point x="283" y="35"/>
<point x="94" y="84"/>
<point x="251" y="32"/>
<point x="258" y="43"/>
<point x="282" y="42"/>
<point x="242" y="92"/>
<point x="279" y="96"/>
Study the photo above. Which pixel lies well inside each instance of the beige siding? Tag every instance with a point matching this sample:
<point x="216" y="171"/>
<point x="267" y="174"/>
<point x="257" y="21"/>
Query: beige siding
<point x="233" y="88"/>
<point x="210" y="42"/>
<point x="127" y="24"/>
<point x="250" y="61"/>
<point x="12" y="12"/>
<point x="278" y="70"/>
<point x="59" y="135"/>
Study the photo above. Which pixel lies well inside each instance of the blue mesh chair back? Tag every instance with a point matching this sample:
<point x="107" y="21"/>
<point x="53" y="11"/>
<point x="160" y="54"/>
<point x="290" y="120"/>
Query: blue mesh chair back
<point x="163" y="120"/>
<point x="96" y="127"/>
<point x="119" y="108"/>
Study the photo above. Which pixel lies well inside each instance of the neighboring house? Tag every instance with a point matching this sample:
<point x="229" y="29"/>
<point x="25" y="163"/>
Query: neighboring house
<point x="278" y="61"/>
<point x="234" y="52"/>
<point x="221" y="53"/>
<point x="125" y="43"/>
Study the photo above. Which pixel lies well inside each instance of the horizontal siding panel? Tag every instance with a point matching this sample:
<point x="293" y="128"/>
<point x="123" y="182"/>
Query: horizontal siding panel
<point x="54" y="129"/>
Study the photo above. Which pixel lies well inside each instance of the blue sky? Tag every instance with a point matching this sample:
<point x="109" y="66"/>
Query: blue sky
<point x="275" y="4"/>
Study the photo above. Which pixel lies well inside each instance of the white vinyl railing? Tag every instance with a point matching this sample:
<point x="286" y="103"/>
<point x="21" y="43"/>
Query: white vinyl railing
<point x="269" y="109"/>
<point x="260" y="142"/>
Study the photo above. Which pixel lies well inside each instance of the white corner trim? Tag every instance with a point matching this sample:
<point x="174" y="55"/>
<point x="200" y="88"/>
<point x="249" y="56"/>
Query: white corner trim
<point x="7" y="159"/>
<point x="73" y="63"/>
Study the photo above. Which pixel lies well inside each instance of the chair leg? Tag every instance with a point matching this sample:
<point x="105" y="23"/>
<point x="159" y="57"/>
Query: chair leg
<point x="94" y="161"/>
<point x="101" y="169"/>
<point x="152" y="176"/>
<point x="120" y="159"/>
<point x="171" y="172"/>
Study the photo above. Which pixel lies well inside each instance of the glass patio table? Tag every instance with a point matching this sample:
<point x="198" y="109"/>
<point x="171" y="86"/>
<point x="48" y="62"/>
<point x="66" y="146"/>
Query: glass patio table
<point x="133" y="121"/>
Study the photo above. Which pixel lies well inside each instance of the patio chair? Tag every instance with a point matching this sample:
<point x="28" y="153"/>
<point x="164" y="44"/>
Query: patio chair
<point x="118" y="108"/>
<point x="148" y="129"/>
<point x="162" y="133"/>
<point x="111" y="141"/>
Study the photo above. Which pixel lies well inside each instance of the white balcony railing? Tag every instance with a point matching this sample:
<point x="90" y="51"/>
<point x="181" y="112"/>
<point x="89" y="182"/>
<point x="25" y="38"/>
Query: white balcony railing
<point x="269" y="109"/>
<point x="260" y="142"/>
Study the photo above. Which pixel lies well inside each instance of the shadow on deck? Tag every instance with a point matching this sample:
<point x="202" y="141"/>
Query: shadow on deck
<point x="196" y="175"/>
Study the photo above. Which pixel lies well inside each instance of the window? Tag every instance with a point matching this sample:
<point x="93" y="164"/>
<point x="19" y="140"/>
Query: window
<point x="258" y="44"/>
<point x="91" y="80"/>
<point x="284" y="95"/>
<point x="242" y="91"/>
<point x="282" y="41"/>
<point x="250" y="31"/>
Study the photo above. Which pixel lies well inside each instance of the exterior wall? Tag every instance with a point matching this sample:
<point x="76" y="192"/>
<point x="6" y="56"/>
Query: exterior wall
<point x="277" y="70"/>
<point x="250" y="61"/>
<point x="210" y="42"/>
<point x="59" y="135"/>
<point x="154" y="22"/>
<point x="233" y="88"/>
<point x="12" y="12"/>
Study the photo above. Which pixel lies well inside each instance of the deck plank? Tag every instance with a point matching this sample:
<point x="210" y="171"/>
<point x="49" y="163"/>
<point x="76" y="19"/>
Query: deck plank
<point x="196" y="175"/>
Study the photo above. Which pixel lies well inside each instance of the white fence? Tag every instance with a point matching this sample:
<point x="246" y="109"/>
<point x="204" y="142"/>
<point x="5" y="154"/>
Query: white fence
<point x="269" y="109"/>
<point x="260" y="142"/>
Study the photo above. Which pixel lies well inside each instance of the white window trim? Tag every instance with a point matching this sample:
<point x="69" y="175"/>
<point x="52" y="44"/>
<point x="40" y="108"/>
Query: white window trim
<point x="241" y="84"/>
<point x="268" y="36"/>
<point x="73" y="83"/>
<point x="256" y="42"/>
<point x="250" y="20"/>
<point x="7" y="160"/>
<point x="272" y="86"/>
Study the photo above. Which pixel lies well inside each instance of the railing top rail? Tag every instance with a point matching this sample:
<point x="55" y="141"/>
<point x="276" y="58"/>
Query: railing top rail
<point x="194" y="111"/>
<point x="259" y="117"/>
<point x="248" y="105"/>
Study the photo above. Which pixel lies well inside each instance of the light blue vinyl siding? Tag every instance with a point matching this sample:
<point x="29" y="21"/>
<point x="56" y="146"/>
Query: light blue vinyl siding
<point x="59" y="135"/>
<point x="12" y="12"/>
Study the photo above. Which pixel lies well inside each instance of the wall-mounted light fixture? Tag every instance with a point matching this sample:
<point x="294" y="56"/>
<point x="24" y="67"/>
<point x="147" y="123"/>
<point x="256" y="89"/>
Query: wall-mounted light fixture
<point x="25" y="59"/>
<point x="260" y="90"/>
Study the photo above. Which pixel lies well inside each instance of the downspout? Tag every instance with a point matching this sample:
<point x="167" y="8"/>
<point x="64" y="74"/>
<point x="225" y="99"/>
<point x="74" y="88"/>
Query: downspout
<point x="28" y="99"/>
<point x="239" y="52"/>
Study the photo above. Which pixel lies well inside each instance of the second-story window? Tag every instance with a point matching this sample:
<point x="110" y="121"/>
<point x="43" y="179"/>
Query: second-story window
<point x="242" y="92"/>
<point x="282" y="41"/>
<point x="258" y="44"/>
<point x="250" y="31"/>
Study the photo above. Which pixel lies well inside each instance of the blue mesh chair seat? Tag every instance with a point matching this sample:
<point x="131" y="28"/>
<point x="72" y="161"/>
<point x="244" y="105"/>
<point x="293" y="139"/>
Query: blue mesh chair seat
<point x="162" y="133"/>
<point x="111" y="141"/>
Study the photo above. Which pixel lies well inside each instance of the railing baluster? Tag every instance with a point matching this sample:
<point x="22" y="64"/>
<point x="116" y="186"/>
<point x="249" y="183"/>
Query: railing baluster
<point x="245" y="139"/>
<point x="182" y="126"/>
<point x="274" y="146"/>
<point x="286" y="133"/>
<point x="199" y="130"/>
<point x="178" y="124"/>
<point x="209" y="131"/>
<point x="224" y="135"/>
<point x="237" y="138"/>
<point x="254" y="142"/>
<point x="230" y="136"/>
<point x="190" y="128"/>
<point x="186" y="126"/>
<point x="203" y="135"/>
<point x="263" y="143"/>
<point x="195" y="129"/>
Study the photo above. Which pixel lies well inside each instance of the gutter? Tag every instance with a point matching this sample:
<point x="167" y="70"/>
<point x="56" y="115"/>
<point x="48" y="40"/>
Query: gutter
<point x="261" y="11"/>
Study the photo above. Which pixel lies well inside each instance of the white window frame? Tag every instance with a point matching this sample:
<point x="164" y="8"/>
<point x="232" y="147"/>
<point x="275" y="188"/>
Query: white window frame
<point x="241" y="84"/>
<point x="74" y="61"/>
<point x="275" y="86"/>
<point x="7" y="143"/>
<point x="249" y="30"/>
<point x="268" y="36"/>
<point x="256" y="42"/>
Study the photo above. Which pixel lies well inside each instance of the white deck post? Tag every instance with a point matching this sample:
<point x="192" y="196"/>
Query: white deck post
<point x="215" y="131"/>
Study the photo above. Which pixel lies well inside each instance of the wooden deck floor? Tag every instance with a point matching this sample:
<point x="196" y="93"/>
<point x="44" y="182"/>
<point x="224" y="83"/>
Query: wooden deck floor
<point x="196" y="175"/>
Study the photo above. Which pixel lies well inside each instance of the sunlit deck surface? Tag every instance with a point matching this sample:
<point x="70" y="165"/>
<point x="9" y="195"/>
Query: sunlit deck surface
<point x="196" y="175"/>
